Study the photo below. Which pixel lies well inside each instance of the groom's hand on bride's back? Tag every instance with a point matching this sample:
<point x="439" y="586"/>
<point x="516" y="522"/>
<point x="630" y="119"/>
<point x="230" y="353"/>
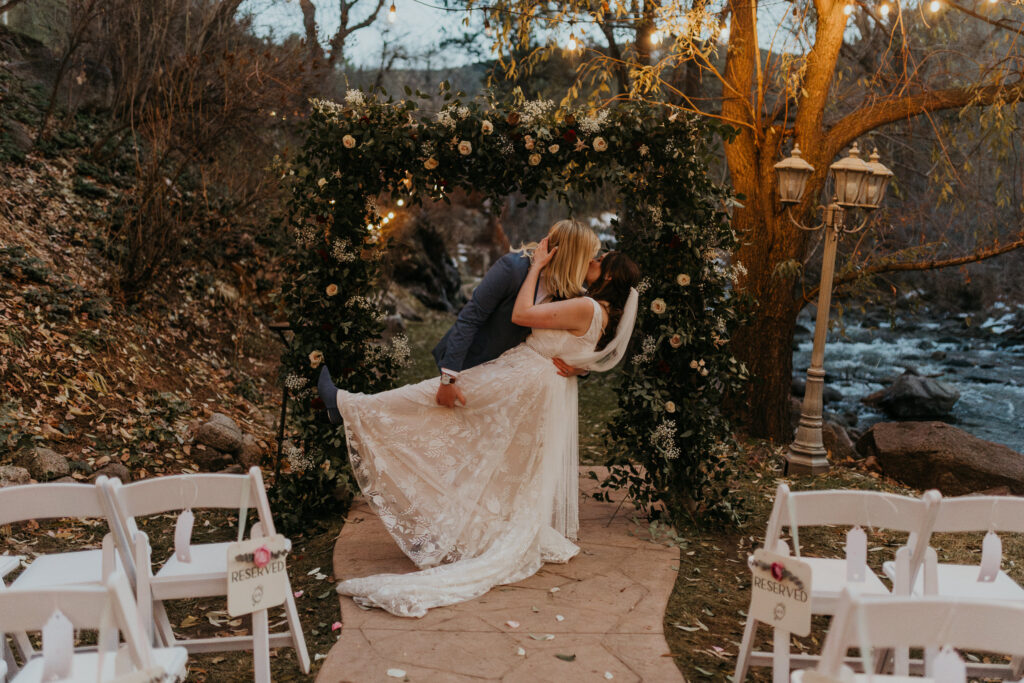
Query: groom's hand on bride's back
<point x="449" y="394"/>
<point x="566" y="370"/>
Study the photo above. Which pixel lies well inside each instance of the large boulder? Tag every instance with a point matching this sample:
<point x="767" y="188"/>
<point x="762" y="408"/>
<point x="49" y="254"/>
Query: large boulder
<point x="220" y="433"/>
<point x="45" y="464"/>
<point x="937" y="455"/>
<point x="913" y="397"/>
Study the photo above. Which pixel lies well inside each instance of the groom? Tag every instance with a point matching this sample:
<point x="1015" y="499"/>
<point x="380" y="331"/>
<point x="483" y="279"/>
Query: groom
<point x="484" y="329"/>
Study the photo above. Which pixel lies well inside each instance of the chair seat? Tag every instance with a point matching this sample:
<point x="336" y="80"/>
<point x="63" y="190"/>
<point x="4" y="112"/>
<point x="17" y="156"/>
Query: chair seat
<point x="828" y="579"/>
<point x="207" y="559"/>
<point x="63" y="569"/>
<point x="8" y="563"/>
<point x="961" y="581"/>
<point x="798" y="677"/>
<point x="84" y="664"/>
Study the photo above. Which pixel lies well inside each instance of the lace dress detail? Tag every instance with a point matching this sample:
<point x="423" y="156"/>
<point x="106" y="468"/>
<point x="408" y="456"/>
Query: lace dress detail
<point x="476" y="496"/>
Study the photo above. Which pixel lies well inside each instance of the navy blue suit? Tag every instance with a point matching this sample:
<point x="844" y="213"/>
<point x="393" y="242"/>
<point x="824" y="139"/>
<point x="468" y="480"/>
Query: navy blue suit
<point x="484" y="329"/>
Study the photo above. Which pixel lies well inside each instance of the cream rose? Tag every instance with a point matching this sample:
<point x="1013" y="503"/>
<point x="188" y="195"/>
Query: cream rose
<point x="332" y="289"/>
<point x="321" y="182"/>
<point x="553" y="149"/>
<point x="658" y="306"/>
<point x="683" y="279"/>
<point x="430" y="164"/>
<point x="675" y="341"/>
<point x="534" y="159"/>
<point x="704" y="372"/>
<point x="600" y="144"/>
<point x="670" y="407"/>
<point x="315" y="359"/>
<point x="348" y="141"/>
<point x="694" y="364"/>
<point x="528" y="142"/>
<point x="487" y="127"/>
<point x="465" y="148"/>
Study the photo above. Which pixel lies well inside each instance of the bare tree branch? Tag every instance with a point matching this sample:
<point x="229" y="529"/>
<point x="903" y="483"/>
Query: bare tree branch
<point x="9" y="5"/>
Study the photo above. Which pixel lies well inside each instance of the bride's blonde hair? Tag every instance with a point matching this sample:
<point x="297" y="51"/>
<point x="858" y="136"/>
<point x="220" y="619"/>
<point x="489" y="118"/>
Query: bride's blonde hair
<point x="577" y="244"/>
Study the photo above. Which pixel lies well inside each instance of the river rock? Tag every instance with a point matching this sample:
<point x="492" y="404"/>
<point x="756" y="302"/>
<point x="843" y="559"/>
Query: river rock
<point x="828" y="394"/>
<point x="913" y="397"/>
<point x="113" y="470"/>
<point x="44" y="464"/>
<point x="11" y="475"/>
<point x="937" y="455"/>
<point x="220" y="433"/>
<point x="838" y="442"/>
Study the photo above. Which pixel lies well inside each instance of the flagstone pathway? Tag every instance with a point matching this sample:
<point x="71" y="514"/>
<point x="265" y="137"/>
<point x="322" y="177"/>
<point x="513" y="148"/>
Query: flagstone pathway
<point x="611" y="599"/>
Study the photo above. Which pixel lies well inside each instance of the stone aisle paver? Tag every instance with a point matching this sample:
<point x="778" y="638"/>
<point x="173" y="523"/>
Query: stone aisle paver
<point x="612" y="597"/>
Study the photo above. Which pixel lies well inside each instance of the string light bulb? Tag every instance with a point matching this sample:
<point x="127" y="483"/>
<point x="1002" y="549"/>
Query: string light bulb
<point x="935" y="6"/>
<point x="571" y="43"/>
<point x="655" y="38"/>
<point x="391" y="13"/>
<point x="400" y="202"/>
<point x="884" y="10"/>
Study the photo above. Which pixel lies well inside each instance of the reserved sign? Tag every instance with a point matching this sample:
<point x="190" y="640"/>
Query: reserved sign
<point x="257" y="574"/>
<point x="780" y="593"/>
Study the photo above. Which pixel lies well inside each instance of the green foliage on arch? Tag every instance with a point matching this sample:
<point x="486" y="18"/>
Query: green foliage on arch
<point x="361" y="158"/>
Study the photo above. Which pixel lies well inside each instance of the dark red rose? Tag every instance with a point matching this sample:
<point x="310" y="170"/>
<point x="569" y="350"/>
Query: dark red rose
<point x="364" y="118"/>
<point x="318" y="404"/>
<point x="569" y="136"/>
<point x="664" y="367"/>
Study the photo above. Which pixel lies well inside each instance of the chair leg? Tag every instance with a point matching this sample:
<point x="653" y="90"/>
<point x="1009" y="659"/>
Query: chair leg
<point x="1017" y="667"/>
<point x="163" y="624"/>
<point x="746" y="645"/>
<point x="295" y="627"/>
<point x="780" y="656"/>
<point x="260" y="647"/>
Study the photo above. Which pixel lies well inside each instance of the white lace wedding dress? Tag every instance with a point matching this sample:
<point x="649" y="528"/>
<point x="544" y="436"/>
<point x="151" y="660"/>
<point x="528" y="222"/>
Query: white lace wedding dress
<point x="476" y="496"/>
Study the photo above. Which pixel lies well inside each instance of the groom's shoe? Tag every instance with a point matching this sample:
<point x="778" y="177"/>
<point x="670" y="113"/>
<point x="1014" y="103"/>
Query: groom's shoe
<point x="329" y="395"/>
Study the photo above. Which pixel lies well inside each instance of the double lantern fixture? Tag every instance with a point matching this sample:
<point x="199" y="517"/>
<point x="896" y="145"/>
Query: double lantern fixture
<point x="856" y="184"/>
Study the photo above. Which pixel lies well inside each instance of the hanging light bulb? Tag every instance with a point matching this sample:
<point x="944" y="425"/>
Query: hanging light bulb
<point x="935" y="6"/>
<point x="655" y="38"/>
<point x="400" y="202"/>
<point x="391" y="13"/>
<point x="848" y="9"/>
<point x="884" y="10"/>
<point x="391" y="214"/>
<point x="571" y="43"/>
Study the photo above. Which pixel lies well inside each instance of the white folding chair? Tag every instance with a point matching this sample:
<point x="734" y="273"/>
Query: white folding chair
<point x="54" y="501"/>
<point x="905" y="622"/>
<point x="206" y="574"/>
<point x="984" y="581"/>
<point x="867" y="509"/>
<point x="109" y="609"/>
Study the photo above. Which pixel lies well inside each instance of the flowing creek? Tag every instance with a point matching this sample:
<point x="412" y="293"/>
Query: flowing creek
<point x="981" y="355"/>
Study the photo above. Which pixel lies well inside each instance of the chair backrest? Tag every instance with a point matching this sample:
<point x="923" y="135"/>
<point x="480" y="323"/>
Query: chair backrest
<point x="981" y="513"/>
<point x="86" y="607"/>
<point x="904" y="622"/>
<point x="185" y="491"/>
<point x="52" y="501"/>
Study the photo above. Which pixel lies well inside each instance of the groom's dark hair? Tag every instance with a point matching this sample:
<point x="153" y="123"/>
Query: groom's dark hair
<point x="618" y="275"/>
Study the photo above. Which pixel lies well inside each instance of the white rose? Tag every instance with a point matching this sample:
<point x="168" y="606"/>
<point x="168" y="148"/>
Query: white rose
<point x="553" y="149"/>
<point x="670" y="407"/>
<point x="683" y="279"/>
<point x="430" y="164"/>
<point x="600" y="144"/>
<point x="315" y="359"/>
<point x="658" y="306"/>
<point x="332" y="289"/>
<point x="534" y="159"/>
<point x="487" y="127"/>
<point x="348" y="141"/>
<point x="465" y="148"/>
<point x="675" y="341"/>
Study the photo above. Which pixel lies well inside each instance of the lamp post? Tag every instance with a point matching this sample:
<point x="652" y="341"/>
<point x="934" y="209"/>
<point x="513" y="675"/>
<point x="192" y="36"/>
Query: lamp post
<point x="857" y="185"/>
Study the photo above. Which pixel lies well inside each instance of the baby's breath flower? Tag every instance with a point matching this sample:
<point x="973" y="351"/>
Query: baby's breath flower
<point x="295" y="382"/>
<point x="299" y="461"/>
<point x="354" y="98"/>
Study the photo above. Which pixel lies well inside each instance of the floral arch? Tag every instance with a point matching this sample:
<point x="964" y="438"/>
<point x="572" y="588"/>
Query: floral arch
<point x="364" y="156"/>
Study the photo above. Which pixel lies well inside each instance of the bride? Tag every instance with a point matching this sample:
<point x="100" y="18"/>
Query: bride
<point x="483" y="495"/>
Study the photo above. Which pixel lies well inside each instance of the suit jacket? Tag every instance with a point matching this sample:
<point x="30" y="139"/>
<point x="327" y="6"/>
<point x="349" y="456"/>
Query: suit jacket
<point x="484" y="329"/>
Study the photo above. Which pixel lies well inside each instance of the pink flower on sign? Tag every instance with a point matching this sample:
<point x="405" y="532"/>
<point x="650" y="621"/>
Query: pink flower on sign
<point x="777" y="571"/>
<point x="261" y="556"/>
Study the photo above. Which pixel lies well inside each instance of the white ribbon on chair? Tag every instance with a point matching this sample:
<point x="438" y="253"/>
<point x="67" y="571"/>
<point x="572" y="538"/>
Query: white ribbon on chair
<point x="58" y="647"/>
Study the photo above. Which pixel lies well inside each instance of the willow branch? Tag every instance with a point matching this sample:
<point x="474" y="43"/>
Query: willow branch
<point x="932" y="264"/>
